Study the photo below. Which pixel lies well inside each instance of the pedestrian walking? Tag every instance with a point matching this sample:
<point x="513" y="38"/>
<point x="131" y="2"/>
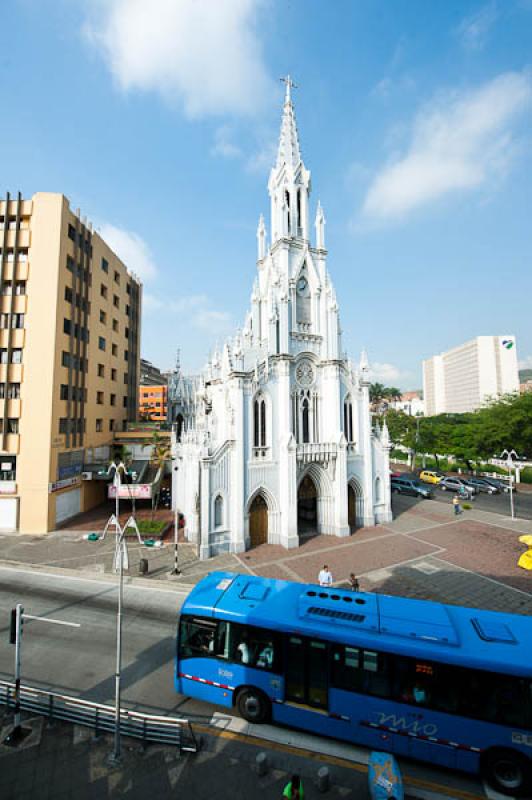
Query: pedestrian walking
<point x="294" y="789"/>
<point x="457" y="506"/>
<point x="325" y="578"/>
<point x="353" y="582"/>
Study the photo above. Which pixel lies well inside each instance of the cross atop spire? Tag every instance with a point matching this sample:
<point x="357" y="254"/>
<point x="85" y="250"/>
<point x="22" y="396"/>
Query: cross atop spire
<point x="288" y="152"/>
<point x="289" y="85"/>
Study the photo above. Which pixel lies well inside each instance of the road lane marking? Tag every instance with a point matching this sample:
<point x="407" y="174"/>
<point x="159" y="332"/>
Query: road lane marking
<point x="111" y="581"/>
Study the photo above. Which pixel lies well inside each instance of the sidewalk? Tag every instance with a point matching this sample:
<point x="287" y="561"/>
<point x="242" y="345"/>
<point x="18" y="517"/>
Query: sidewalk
<point x="425" y="552"/>
<point x="65" y="762"/>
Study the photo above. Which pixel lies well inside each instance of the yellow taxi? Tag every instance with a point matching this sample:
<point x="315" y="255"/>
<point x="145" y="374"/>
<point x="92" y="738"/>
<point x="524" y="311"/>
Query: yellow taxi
<point x="428" y="476"/>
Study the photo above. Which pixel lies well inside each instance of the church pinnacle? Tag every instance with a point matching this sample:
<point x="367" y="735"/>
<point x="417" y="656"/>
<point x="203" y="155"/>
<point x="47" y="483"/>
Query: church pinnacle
<point x="288" y="152"/>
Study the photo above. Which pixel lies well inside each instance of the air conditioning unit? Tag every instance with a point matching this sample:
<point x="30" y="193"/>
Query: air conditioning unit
<point x="86" y="476"/>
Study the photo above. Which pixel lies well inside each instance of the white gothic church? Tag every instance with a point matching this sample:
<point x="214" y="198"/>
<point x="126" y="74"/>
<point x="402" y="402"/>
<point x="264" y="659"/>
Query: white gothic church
<point x="273" y="442"/>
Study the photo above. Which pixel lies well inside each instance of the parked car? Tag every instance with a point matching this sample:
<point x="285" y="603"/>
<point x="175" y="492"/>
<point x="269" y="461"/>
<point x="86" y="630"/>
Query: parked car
<point x="502" y="486"/>
<point x="483" y="485"/>
<point x="453" y="484"/>
<point x="410" y="486"/>
<point x="430" y="476"/>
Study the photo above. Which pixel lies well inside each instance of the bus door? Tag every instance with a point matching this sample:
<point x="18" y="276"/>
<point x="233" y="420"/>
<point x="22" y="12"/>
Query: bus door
<point x="306" y="672"/>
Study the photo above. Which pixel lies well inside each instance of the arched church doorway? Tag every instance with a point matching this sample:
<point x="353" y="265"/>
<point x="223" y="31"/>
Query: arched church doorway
<point x="307" y="507"/>
<point x="258" y="522"/>
<point x="355" y="506"/>
<point x="180" y="424"/>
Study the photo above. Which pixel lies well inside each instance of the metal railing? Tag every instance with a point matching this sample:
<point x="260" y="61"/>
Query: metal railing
<point x="147" y="727"/>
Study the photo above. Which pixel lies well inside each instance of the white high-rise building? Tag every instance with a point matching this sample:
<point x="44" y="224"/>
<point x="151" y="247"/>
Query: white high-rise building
<point x="274" y="441"/>
<point x="466" y="377"/>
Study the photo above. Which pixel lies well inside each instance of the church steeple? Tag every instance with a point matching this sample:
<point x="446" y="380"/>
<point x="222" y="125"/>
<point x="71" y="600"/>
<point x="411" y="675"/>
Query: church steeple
<point x="289" y="184"/>
<point x="288" y="152"/>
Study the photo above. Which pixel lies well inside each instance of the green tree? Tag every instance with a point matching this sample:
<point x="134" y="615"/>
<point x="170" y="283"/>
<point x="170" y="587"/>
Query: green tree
<point x="161" y="452"/>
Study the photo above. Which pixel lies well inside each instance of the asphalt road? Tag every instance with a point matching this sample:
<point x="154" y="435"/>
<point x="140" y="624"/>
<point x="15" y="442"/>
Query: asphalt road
<point x="497" y="503"/>
<point x="81" y="661"/>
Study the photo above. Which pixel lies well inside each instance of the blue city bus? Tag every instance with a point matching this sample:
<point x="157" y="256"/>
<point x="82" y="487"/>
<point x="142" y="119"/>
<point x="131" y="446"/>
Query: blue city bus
<point x="440" y="683"/>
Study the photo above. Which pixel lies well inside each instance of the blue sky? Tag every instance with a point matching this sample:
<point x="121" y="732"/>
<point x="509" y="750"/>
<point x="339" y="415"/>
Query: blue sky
<point x="160" y="121"/>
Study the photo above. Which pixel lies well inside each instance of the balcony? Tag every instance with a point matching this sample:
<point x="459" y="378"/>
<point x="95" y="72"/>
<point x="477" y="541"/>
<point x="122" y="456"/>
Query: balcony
<point x="316" y="452"/>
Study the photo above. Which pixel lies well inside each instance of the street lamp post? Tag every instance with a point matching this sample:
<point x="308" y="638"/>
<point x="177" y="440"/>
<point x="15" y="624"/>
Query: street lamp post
<point x="121" y="550"/>
<point x="510" y="455"/>
<point x="176" y="570"/>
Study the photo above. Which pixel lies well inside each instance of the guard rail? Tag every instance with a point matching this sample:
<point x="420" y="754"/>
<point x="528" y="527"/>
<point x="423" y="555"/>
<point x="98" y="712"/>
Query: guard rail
<point x="147" y="727"/>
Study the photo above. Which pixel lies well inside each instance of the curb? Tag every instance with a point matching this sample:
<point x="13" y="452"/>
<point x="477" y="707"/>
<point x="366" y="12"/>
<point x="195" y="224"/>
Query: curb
<point x="170" y="584"/>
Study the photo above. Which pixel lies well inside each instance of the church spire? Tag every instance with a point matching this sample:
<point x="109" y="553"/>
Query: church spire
<point x="289" y="152"/>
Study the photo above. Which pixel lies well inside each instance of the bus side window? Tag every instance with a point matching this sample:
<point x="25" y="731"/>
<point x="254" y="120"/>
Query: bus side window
<point x="196" y="637"/>
<point x="345" y="663"/>
<point x="376" y="679"/>
<point x="221" y="641"/>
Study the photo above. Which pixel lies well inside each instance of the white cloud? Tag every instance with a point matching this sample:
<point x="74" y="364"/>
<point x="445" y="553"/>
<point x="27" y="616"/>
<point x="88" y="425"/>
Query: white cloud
<point x="474" y="30"/>
<point x="194" y="310"/>
<point x="205" y="55"/>
<point x="223" y="145"/>
<point x="388" y="374"/>
<point x="263" y="159"/>
<point x="525" y="363"/>
<point x="132" y="249"/>
<point x="459" y="141"/>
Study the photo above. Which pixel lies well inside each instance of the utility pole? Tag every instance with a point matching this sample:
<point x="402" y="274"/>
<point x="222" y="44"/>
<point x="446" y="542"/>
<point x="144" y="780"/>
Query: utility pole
<point x="510" y="455"/>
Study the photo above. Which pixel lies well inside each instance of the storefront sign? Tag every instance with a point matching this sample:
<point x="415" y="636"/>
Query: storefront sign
<point x="129" y="491"/>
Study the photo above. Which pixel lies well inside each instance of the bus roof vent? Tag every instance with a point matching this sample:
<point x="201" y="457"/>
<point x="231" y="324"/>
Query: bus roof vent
<point x="254" y="590"/>
<point x="493" y="631"/>
<point x="334" y="614"/>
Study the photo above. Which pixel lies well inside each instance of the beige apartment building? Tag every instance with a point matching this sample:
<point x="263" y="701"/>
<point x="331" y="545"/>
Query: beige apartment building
<point x="466" y="377"/>
<point x="69" y="360"/>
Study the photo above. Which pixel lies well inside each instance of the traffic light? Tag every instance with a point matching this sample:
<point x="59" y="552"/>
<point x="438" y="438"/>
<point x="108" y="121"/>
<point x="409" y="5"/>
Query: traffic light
<point x="13" y="625"/>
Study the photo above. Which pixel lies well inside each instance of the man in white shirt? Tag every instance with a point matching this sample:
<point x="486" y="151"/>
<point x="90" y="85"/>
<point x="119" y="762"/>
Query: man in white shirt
<point x="325" y="577"/>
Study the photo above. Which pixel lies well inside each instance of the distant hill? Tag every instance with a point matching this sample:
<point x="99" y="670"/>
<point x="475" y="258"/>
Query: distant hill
<point x="525" y="375"/>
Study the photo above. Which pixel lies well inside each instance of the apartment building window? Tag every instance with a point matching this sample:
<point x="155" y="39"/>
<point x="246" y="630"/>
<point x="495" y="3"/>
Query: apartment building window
<point x="99" y="398"/>
<point x="22" y="255"/>
<point x="105" y="265"/>
<point x="126" y="355"/>
<point x="8" y="468"/>
<point x="113" y="374"/>
<point x="4" y="320"/>
<point x="101" y="371"/>
<point x="126" y="333"/>
<point x="126" y="377"/>
<point x="127" y="311"/>
<point x="17" y="320"/>
<point x="72" y="233"/>
<point x="111" y="424"/>
<point x="114" y="349"/>
<point x="13" y="391"/>
<point x="68" y="294"/>
<point x="67" y="326"/>
<point x="16" y="356"/>
<point x="115" y="325"/>
<point x="113" y="399"/>
<point x="128" y="288"/>
<point x="64" y="391"/>
<point x="103" y="317"/>
<point x="117" y="277"/>
<point x="20" y="287"/>
<point x="103" y="290"/>
<point x="6" y="287"/>
<point x="124" y="402"/>
<point x="116" y="301"/>
<point x="101" y="342"/>
<point x="99" y="425"/>
<point x="70" y="264"/>
<point x="12" y="425"/>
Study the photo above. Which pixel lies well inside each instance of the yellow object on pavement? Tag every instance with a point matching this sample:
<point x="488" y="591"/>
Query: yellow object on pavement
<point x="525" y="559"/>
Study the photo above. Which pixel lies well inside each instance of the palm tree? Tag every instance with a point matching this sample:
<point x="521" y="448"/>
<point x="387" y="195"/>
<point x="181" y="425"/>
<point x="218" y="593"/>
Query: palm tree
<point x="392" y="393"/>
<point x="377" y="393"/>
<point x="161" y="452"/>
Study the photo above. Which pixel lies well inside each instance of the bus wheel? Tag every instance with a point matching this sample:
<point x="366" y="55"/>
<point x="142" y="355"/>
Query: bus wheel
<point x="507" y="772"/>
<point x="253" y="705"/>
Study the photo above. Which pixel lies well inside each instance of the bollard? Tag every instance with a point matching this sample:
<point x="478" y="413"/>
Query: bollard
<point x="262" y="764"/>
<point x="324" y="779"/>
<point x="143" y="566"/>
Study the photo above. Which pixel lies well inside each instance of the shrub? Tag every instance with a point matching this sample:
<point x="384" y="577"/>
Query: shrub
<point x="466" y="506"/>
<point x="149" y="526"/>
<point x="526" y="475"/>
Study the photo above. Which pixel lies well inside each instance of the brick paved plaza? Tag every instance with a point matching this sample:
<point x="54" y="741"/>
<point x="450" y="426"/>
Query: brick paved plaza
<point x="425" y="552"/>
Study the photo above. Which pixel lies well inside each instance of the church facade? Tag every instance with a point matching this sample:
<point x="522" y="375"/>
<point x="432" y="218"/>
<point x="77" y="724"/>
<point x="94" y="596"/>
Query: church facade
<point x="274" y="442"/>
